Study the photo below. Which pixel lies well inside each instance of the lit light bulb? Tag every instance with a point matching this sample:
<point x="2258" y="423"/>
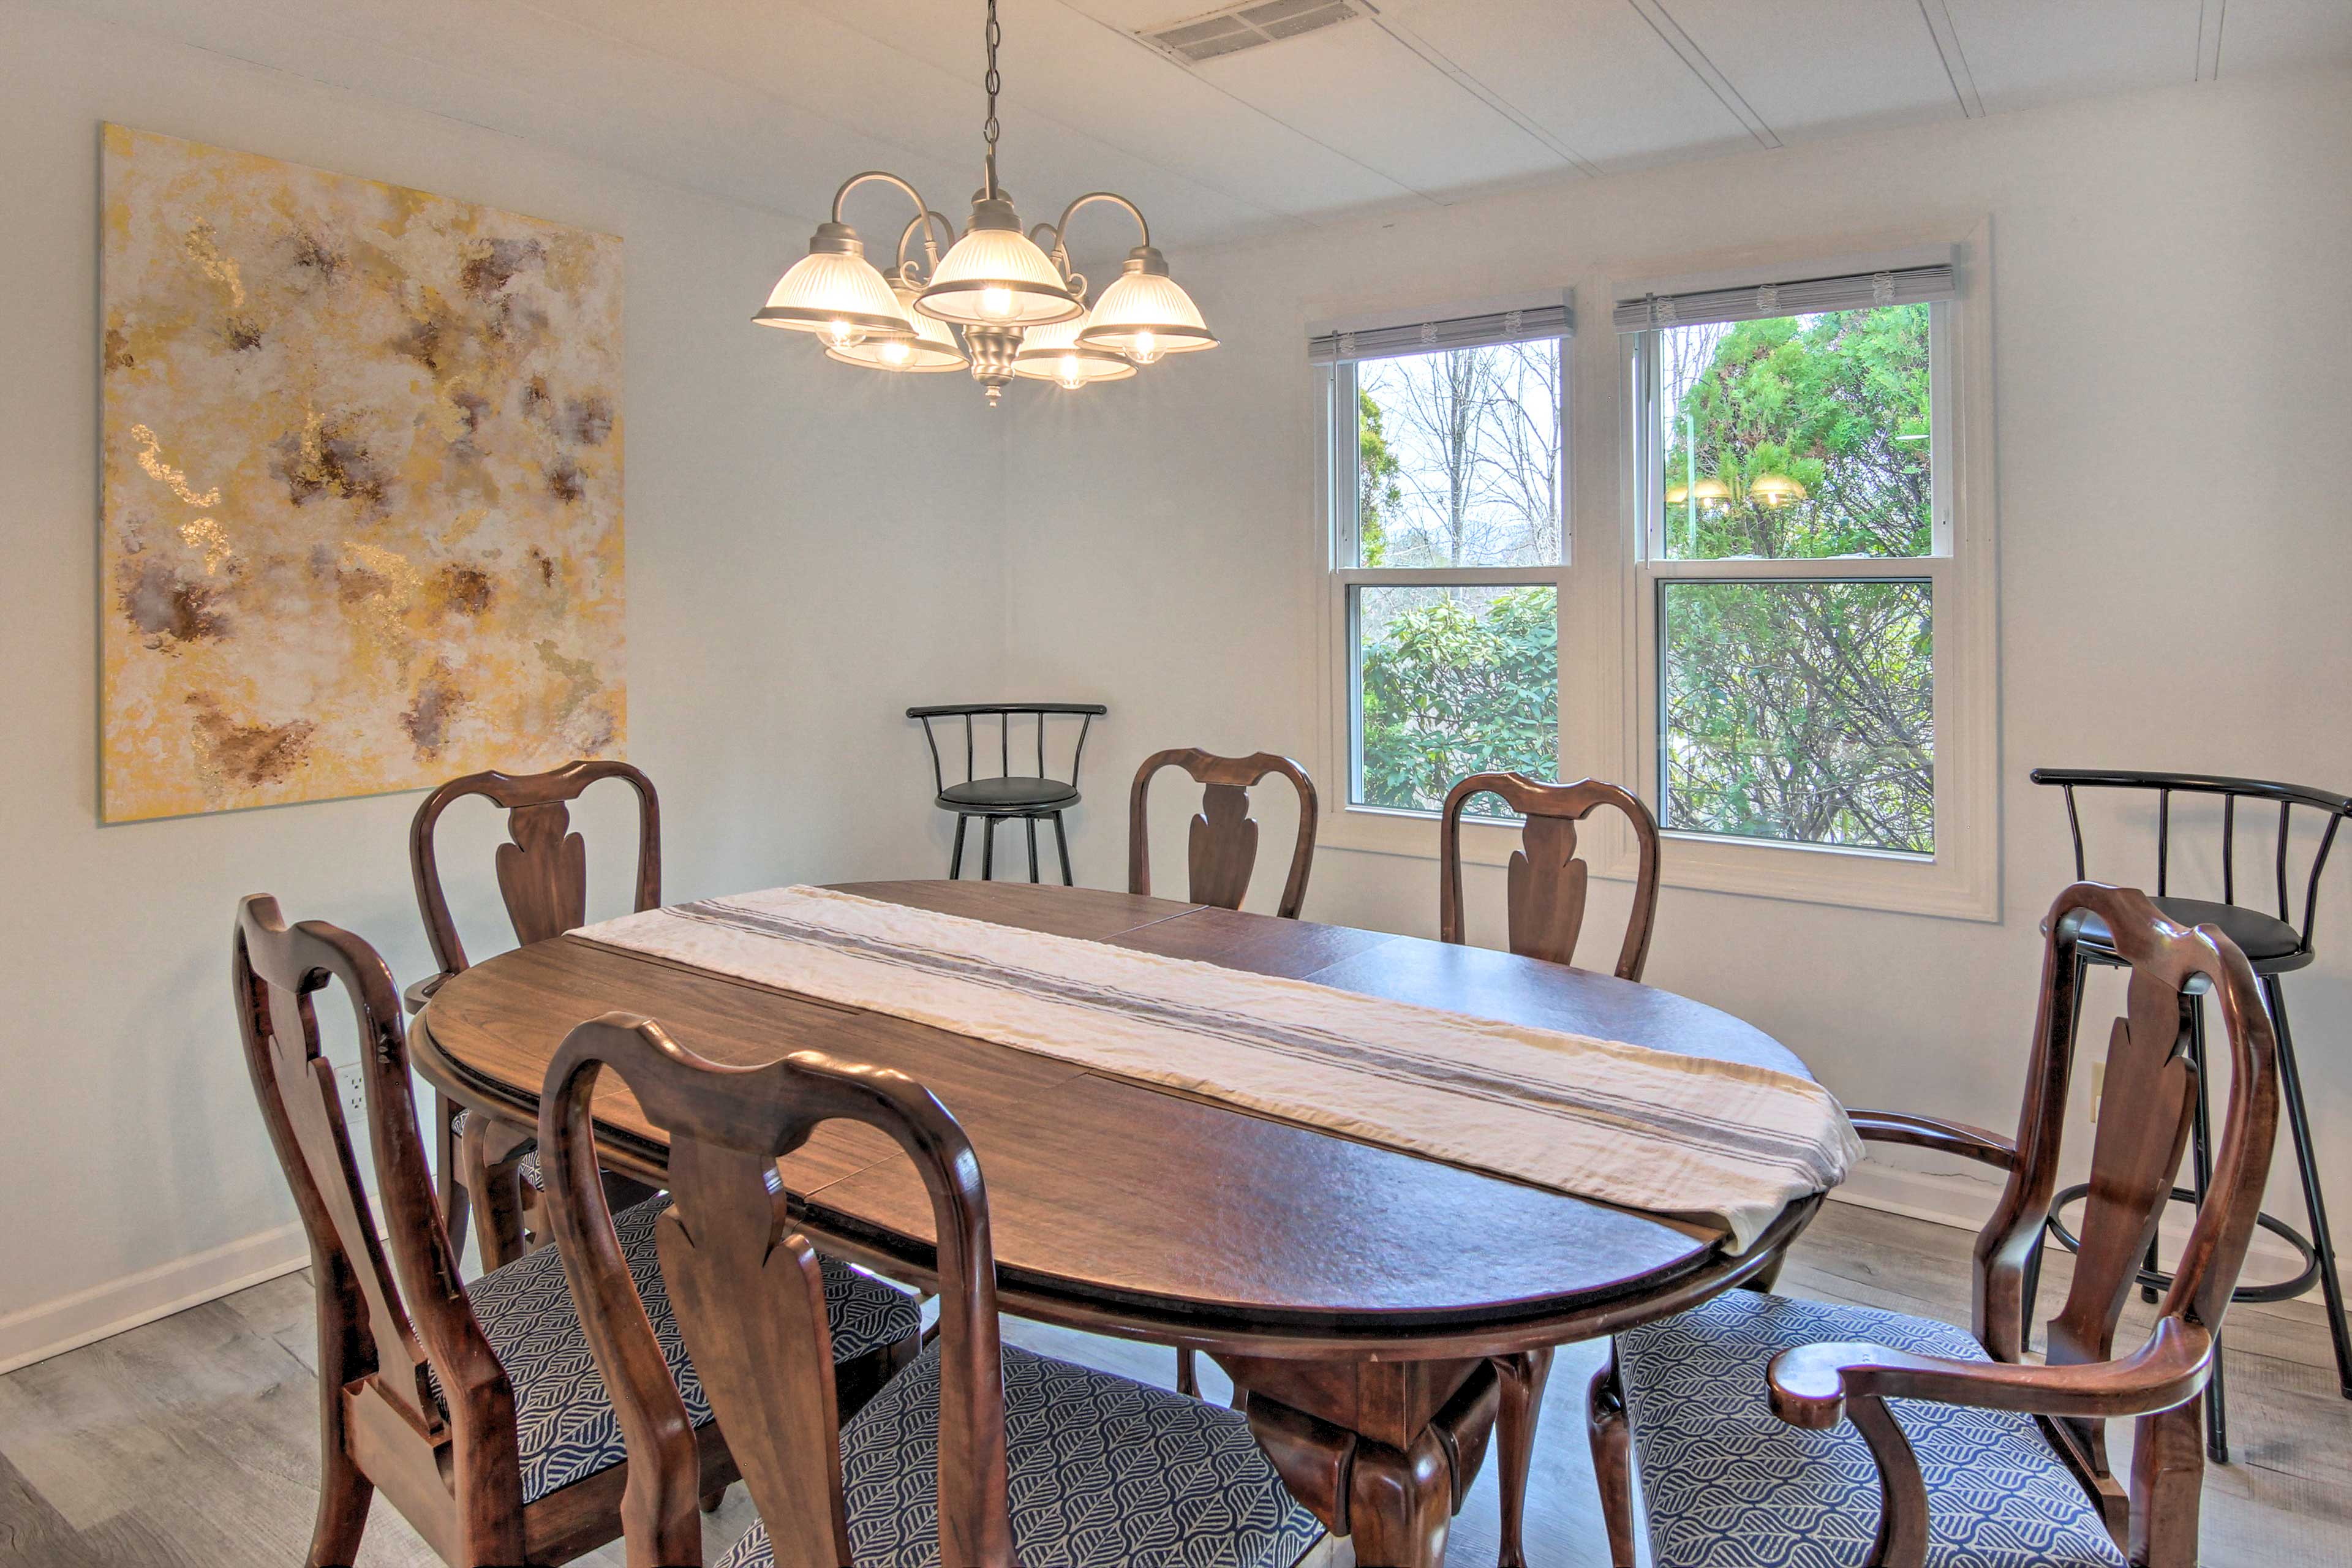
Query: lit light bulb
<point x="1074" y="373"/>
<point x="996" y="302"/>
<point x="842" y="335"/>
<point x="1146" y="349"/>
<point x="896" y="353"/>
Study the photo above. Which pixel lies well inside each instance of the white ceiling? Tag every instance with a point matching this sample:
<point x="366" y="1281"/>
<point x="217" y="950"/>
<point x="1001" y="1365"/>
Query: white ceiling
<point x="1417" y="102"/>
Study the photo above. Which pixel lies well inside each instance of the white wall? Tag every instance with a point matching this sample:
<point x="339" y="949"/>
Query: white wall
<point x="2174" y="574"/>
<point x="810" y="550"/>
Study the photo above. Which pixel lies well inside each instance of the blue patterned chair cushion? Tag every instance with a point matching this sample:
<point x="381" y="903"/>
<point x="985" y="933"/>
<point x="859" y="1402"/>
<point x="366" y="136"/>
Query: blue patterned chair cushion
<point x="1104" y="1474"/>
<point x="565" y="1425"/>
<point x="1729" y="1485"/>
<point x="528" y="1165"/>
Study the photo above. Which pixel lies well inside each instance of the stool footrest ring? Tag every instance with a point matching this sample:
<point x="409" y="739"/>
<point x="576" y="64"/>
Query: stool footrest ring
<point x="2157" y="1280"/>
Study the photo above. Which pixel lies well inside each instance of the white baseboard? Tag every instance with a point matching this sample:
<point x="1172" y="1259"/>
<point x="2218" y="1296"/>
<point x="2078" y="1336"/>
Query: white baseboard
<point x="88" y="1316"/>
<point x="1966" y="1201"/>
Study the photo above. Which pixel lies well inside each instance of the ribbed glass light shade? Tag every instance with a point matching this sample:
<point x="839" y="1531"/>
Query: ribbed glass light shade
<point x="1053" y="352"/>
<point x="932" y="348"/>
<point x="1143" y="314"/>
<point x="1775" y="490"/>
<point x="994" y="277"/>
<point x="834" y="292"/>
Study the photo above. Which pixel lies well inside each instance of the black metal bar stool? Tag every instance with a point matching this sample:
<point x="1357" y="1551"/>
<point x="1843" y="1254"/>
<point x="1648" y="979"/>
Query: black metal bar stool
<point x="2273" y="946"/>
<point x="1007" y="798"/>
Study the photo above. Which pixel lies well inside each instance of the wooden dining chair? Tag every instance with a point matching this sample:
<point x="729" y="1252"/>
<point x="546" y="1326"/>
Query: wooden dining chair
<point x="475" y="1409"/>
<point x="1221" y="853"/>
<point x="1736" y="1407"/>
<point x="485" y="1164"/>
<point x="1546" y="898"/>
<point x="978" y="1456"/>
<point x="1547" y="880"/>
<point x="1222" y="848"/>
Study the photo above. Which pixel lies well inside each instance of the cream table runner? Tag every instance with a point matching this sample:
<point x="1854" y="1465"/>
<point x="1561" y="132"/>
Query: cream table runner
<point x="1725" y="1143"/>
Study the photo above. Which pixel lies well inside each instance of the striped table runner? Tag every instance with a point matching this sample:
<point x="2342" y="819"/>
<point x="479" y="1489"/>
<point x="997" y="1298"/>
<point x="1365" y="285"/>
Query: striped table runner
<point x="1724" y="1143"/>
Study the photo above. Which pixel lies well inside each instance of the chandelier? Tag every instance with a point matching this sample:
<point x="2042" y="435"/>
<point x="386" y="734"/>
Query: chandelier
<point x="1020" y="306"/>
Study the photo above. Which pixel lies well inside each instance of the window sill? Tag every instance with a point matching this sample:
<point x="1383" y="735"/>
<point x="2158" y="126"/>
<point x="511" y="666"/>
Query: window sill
<point x="1798" y="873"/>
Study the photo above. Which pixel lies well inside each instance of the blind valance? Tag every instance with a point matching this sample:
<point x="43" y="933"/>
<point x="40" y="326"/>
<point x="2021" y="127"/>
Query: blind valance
<point x="1517" y="326"/>
<point x="1791" y="297"/>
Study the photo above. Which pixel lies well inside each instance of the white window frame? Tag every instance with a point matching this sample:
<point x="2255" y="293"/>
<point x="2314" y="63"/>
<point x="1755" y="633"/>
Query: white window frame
<point x="1390" y="829"/>
<point x="1608" y="693"/>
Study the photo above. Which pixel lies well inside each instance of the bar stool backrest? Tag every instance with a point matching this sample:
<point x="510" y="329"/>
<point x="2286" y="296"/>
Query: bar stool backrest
<point x="2289" y="799"/>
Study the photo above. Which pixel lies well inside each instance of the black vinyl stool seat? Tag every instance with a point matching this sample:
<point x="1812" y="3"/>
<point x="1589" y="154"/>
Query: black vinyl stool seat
<point x="1008" y="796"/>
<point x="2273" y="946"/>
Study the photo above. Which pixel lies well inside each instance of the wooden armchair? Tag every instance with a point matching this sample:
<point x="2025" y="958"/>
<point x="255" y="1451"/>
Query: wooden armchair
<point x="488" y="1165"/>
<point x="1548" y="884"/>
<point x="1223" y="852"/>
<point x="1991" y="1461"/>
<point x="972" y="1457"/>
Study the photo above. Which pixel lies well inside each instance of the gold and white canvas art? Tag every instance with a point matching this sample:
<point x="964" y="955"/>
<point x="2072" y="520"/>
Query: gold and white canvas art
<point x="361" y="485"/>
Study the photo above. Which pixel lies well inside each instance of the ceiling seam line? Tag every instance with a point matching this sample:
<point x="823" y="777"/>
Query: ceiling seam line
<point x="904" y="150"/>
<point x="2209" y="60"/>
<point x="585" y="160"/>
<point x="1265" y="114"/>
<point x="1686" y="48"/>
<point x="1947" y="39"/>
<point x="1461" y="76"/>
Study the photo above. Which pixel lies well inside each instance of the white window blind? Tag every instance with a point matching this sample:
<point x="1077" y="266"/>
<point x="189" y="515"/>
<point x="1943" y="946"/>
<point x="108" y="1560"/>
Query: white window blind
<point x="1790" y="297"/>
<point x="1517" y="326"/>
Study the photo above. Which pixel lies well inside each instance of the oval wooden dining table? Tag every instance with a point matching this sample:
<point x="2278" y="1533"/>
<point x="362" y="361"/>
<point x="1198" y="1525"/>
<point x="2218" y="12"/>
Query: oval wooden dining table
<point x="1357" y="1294"/>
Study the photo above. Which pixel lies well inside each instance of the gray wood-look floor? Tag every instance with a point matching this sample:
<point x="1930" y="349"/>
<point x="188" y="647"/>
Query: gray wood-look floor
<point x="192" y="1441"/>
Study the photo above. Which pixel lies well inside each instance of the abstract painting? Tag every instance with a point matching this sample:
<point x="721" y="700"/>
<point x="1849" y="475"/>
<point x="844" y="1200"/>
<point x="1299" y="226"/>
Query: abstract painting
<point x="362" y="479"/>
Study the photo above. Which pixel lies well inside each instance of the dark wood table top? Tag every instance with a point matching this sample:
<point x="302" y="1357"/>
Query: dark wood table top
<point x="1126" y="1207"/>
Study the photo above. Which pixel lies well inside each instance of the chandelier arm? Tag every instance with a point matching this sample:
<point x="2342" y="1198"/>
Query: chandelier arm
<point x="887" y="178"/>
<point x="1061" y="230"/>
<point x="923" y="221"/>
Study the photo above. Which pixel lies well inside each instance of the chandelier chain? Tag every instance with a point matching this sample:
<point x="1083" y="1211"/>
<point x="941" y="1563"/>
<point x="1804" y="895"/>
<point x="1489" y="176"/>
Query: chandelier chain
<point x="995" y="36"/>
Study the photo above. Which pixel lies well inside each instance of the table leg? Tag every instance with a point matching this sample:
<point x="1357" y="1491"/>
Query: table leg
<point x="1389" y="1472"/>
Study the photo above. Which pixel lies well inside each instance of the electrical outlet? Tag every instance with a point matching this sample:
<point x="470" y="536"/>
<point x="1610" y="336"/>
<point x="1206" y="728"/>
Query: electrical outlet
<point x="352" y="1089"/>
<point x="2098" y="1088"/>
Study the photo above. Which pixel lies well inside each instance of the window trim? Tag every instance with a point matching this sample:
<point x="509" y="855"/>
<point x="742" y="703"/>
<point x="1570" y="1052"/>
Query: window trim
<point x="1604" y="673"/>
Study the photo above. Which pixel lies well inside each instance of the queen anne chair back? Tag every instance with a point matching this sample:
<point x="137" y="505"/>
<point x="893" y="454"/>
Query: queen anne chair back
<point x="542" y="869"/>
<point x="1548" y="880"/>
<point x="2143" y="1120"/>
<point x="1222" y="849"/>
<point x="376" y="1341"/>
<point x="749" y="1298"/>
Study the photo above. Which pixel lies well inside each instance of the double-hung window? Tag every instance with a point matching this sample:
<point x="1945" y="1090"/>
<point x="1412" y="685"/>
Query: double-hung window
<point x="1447" y="503"/>
<point x="1795" y="576"/>
<point x="1787" y="647"/>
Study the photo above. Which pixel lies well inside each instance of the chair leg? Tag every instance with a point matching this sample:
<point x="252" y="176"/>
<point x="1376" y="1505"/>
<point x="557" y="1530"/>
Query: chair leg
<point x="955" y="856"/>
<point x="1061" y="842"/>
<point x="988" y="849"/>
<point x="2298" y="1121"/>
<point x="494" y="1180"/>
<point x="2200" y="1172"/>
<point x="1612" y="1458"/>
<point x="1522" y="1378"/>
<point x="1188" y="1372"/>
<point x="343" y="1492"/>
<point x="445" y="1168"/>
<point x="1030" y="823"/>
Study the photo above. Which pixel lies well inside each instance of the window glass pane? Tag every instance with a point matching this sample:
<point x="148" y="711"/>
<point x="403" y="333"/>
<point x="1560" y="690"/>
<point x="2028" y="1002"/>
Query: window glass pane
<point x="1797" y="438"/>
<point x="1802" y="711"/>
<point x="1452" y="681"/>
<point x="1458" y="457"/>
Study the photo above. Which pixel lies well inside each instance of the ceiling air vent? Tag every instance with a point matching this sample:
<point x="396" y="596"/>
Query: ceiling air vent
<point x="1244" y="27"/>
